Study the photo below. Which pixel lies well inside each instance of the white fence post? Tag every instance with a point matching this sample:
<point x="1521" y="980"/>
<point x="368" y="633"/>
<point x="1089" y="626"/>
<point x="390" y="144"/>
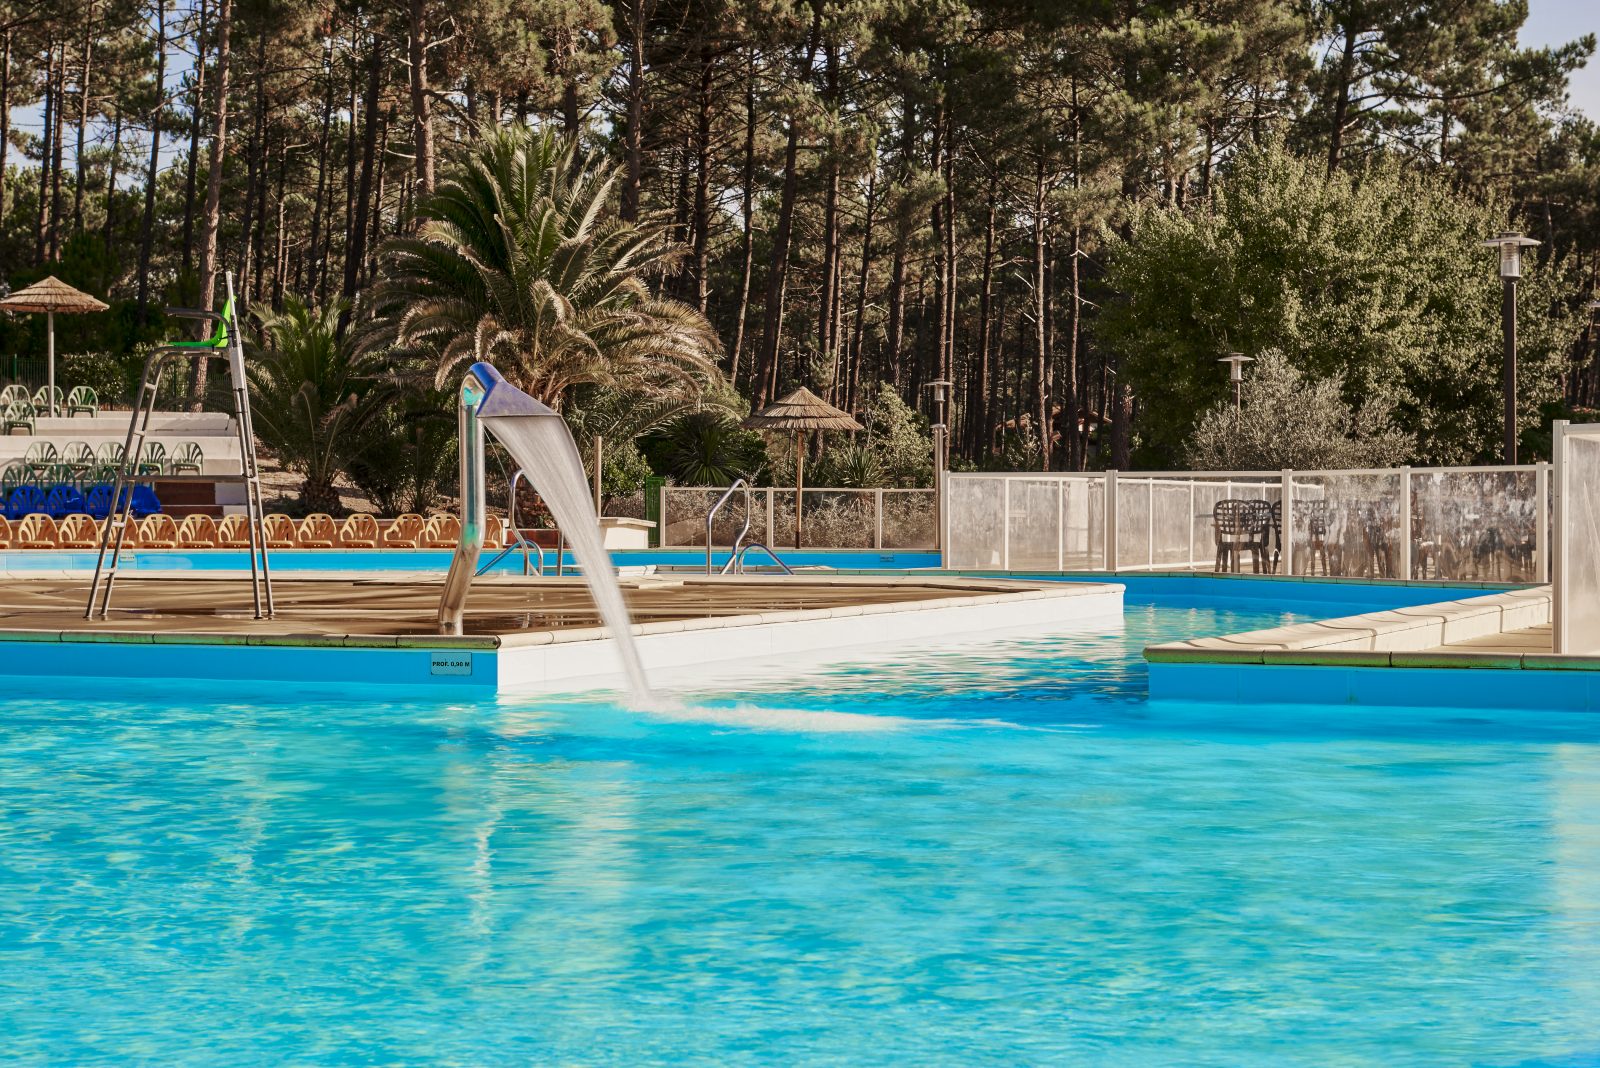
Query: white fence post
<point x="772" y="520"/>
<point x="1541" y="526"/>
<point x="877" y="525"/>
<point x="1192" y="518"/>
<point x="1110" y="546"/>
<point x="1405" y="523"/>
<point x="1560" y="640"/>
<point x="1061" y="524"/>
<point x="1286" y="527"/>
<point x="1005" y="524"/>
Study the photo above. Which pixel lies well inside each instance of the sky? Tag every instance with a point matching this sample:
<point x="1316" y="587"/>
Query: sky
<point x="1554" y="22"/>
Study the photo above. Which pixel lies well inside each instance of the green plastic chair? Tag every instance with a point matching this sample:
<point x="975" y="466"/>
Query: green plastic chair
<point x="42" y="396"/>
<point x="78" y="456"/>
<point x="11" y="394"/>
<point x="152" y="459"/>
<point x="186" y="457"/>
<point x="14" y="475"/>
<point x="109" y="454"/>
<point x="107" y="473"/>
<point x="18" y="414"/>
<point x="82" y="400"/>
<point x="41" y="456"/>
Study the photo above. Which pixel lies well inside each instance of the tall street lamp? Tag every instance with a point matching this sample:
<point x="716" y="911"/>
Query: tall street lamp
<point x="1236" y="362"/>
<point x="1510" y="245"/>
<point x="941" y="452"/>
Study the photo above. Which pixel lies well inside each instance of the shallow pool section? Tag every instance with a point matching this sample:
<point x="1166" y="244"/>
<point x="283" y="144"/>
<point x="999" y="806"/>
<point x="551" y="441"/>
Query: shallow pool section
<point x="997" y="854"/>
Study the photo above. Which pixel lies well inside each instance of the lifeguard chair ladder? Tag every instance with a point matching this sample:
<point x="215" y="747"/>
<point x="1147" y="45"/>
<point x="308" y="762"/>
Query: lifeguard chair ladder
<point x="226" y="342"/>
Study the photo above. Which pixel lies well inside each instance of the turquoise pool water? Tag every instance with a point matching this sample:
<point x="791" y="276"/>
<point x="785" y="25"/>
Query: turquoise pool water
<point x="994" y="855"/>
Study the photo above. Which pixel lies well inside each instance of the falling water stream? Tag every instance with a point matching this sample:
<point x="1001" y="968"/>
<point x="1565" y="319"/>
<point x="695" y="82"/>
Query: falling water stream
<point x="544" y="448"/>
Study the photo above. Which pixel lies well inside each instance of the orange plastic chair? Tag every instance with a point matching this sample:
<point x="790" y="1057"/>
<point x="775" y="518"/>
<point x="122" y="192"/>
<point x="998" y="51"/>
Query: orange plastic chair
<point x="158" y="531"/>
<point x="317" y="532"/>
<point x="441" y="532"/>
<point x="37" y="531"/>
<point x="404" y="533"/>
<point x="359" y="531"/>
<point x="78" y="532"/>
<point x="494" y="533"/>
<point x="233" y="532"/>
<point x="5" y="532"/>
<point x="280" y="532"/>
<point x="198" y="532"/>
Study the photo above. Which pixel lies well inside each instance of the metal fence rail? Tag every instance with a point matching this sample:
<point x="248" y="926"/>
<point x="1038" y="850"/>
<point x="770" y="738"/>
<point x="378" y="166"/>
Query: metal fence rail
<point x="1462" y="523"/>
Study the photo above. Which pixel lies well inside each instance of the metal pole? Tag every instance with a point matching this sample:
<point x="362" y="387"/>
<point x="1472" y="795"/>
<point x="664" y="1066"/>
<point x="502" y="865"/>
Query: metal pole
<point x="599" y="453"/>
<point x="1541" y="545"/>
<point x="1109" y="548"/>
<point x="1508" y="326"/>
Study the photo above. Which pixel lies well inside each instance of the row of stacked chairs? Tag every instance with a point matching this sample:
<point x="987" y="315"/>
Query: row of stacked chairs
<point x="65" y="499"/>
<point x="78" y="462"/>
<point x="81" y="530"/>
<point x="20" y="410"/>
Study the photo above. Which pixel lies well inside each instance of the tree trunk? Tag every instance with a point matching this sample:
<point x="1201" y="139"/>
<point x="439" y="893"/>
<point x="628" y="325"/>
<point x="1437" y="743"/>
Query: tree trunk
<point x="313" y="252"/>
<point x="747" y="213"/>
<point x="421" y="104"/>
<point x="211" y="223"/>
<point x="702" y="177"/>
<point x="858" y="331"/>
<point x="40" y="230"/>
<point x="1041" y="353"/>
<point x="1341" y="103"/>
<point x="633" y="129"/>
<point x="147" y="225"/>
<point x="197" y="106"/>
<point x="255" y="153"/>
<point x="356" y="253"/>
<point x="111" y="190"/>
<point x="57" y="138"/>
<point x="83" y="118"/>
<point x="978" y="421"/>
<point x="5" y="113"/>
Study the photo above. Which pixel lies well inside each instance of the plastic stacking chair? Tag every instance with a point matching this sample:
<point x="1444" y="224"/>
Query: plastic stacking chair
<point x="27" y="499"/>
<point x="233" y="532"/>
<point x="186" y="457"/>
<point x="441" y="532"/>
<point x="152" y="459"/>
<point x="280" y="532"/>
<point x="64" y="500"/>
<point x="81" y="400"/>
<point x="404" y="533"/>
<point x="78" y="532"/>
<point x="97" y="500"/>
<point x="197" y="531"/>
<point x="494" y="532"/>
<point x="145" y="501"/>
<point x="158" y="531"/>
<point x="39" y="457"/>
<point x="44" y="395"/>
<point x="15" y="474"/>
<point x="359" y="531"/>
<point x="12" y="394"/>
<point x="37" y="531"/>
<point x="317" y="532"/>
<point x="18" y="415"/>
<point x="109" y="454"/>
<point x="79" y="457"/>
<point x="5" y="532"/>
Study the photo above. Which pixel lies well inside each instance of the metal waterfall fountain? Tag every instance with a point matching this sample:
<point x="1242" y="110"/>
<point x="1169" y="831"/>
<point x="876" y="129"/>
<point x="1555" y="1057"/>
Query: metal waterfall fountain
<point x="538" y="439"/>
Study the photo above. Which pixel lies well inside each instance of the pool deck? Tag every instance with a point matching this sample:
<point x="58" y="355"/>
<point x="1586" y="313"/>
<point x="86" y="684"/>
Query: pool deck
<point x="520" y="632"/>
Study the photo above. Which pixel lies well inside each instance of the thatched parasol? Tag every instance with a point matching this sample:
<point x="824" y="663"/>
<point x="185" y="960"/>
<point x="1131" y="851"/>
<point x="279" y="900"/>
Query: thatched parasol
<point x="50" y="296"/>
<point x="802" y="412"/>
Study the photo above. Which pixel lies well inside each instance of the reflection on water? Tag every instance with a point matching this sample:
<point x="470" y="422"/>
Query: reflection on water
<point x="1024" y="862"/>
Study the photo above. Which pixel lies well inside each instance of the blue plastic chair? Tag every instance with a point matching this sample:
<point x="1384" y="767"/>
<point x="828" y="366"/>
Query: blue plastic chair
<point x="97" y="502"/>
<point x="25" y="501"/>
<point x="64" y="500"/>
<point x="145" y="501"/>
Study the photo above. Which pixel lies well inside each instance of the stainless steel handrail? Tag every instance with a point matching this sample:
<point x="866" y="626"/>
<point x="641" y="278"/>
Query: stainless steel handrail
<point x="738" y="560"/>
<point x="739" y="538"/>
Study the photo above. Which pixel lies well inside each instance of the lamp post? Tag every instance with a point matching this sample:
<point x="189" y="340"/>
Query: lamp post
<point x="941" y="452"/>
<point x="1510" y="245"/>
<point x="1236" y="362"/>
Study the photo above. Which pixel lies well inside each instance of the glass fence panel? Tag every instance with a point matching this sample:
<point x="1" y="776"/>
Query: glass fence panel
<point x="1474" y="525"/>
<point x="1347" y="524"/>
<point x="684" y="511"/>
<point x="910" y="519"/>
<point x="1579" y="572"/>
<point x="782" y="520"/>
<point x="1084" y="523"/>
<point x="1033" y="518"/>
<point x="1133" y="522"/>
<point x="838" y="519"/>
<point x="976" y="523"/>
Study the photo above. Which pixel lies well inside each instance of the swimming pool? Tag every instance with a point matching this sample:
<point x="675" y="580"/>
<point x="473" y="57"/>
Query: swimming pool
<point x="997" y="854"/>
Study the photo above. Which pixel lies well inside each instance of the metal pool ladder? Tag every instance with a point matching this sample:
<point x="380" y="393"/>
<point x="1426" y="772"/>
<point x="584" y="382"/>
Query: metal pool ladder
<point x="739" y="549"/>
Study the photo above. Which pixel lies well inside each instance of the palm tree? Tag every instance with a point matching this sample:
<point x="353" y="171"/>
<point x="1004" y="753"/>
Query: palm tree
<point x="305" y="395"/>
<point x="519" y="259"/>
